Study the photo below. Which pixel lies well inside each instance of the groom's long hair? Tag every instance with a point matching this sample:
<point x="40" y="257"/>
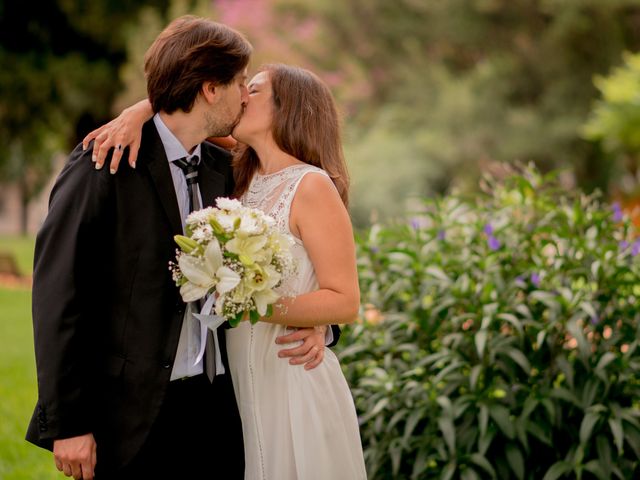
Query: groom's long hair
<point x="189" y="52"/>
<point x="305" y="125"/>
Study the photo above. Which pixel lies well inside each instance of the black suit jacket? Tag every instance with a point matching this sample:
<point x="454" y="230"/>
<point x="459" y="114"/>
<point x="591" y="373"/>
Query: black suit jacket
<point x="106" y="313"/>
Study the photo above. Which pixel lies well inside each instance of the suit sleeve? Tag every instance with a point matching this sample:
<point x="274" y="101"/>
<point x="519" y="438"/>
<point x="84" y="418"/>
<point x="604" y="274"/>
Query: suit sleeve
<point x="67" y="263"/>
<point x="333" y="337"/>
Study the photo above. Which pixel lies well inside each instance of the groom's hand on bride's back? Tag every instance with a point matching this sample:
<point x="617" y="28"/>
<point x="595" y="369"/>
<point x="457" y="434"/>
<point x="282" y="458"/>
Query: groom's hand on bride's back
<point x="76" y="456"/>
<point x="311" y="352"/>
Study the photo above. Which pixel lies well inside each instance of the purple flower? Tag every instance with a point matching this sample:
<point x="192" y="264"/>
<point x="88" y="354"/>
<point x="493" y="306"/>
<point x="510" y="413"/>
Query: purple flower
<point x="595" y="320"/>
<point x="488" y="230"/>
<point x="374" y="249"/>
<point x="415" y="223"/>
<point x="494" y="243"/>
<point x="636" y="248"/>
<point x="623" y="245"/>
<point x="535" y="279"/>
<point x="441" y="235"/>
<point x="617" y="212"/>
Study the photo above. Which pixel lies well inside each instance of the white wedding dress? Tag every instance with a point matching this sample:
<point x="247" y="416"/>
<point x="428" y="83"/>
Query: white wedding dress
<point x="297" y="424"/>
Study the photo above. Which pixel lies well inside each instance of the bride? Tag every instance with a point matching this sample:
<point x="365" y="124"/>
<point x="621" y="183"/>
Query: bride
<point x="297" y="424"/>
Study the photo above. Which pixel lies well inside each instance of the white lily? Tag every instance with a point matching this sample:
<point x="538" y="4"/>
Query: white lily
<point x="262" y="281"/>
<point x="205" y="273"/>
<point x="263" y="299"/>
<point x="248" y="249"/>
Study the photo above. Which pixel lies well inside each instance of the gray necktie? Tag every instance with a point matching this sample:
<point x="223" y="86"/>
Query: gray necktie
<point x="190" y="170"/>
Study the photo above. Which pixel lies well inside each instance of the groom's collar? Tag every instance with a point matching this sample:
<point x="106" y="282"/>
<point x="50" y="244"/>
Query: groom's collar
<point x="172" y="146"/>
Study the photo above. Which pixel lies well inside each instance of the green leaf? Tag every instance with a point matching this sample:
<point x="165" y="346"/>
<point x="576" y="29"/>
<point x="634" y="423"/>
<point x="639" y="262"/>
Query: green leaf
<point x="521" y="432"/>
<point x="412" y="422"/>
<point x="632" y="436"/>
<point x="474" y="375"/>
<point x="449" y="471"/>
<point x="380" y="405"/>
<point x="603" y="447"/>
<point x="513" y="320"/>
<point x="420" y="464"/>
<point x="588" y="309"/>
<point x="586" y="427"/>
<point x="438" y="273"/>
<point x="530" y="405"/>
<point x="566" y="395"/>
<point x="590" y="391"/>
<point x="235" y="321"/>
<point x="546" y="298"/>
<point x="615" y="423"/>
<point x="630" y="415"/>
<point x="516" y="460"/>
<point x="500" y="415"/>
<point x="483" y="420"/>
<point x="540" y="433"/>
<point x="469" y="474"/>
<point x="484" y="442"/>
<point x="576" y="331"/>
<point x="557" y="470"/>
<point x="483" y="463"/>
<point x="518" y="357"/>
<point x="540" y="338"/>
<point x="395" y="454"/>
<point x="449" y="433"/>
<point x="605" y="360"/>
<point x="481" y="341"/>
<point x="254" y="317"/>
<point x="597" y="469"/>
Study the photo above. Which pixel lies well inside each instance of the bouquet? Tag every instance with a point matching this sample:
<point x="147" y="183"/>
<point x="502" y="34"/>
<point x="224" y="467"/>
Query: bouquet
<point x="237" y="253"/>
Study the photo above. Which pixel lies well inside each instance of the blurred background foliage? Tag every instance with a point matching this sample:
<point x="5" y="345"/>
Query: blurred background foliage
<point x="499" y="337"/>
<point x="499" y="322"/>
<point x="433" y="92"/>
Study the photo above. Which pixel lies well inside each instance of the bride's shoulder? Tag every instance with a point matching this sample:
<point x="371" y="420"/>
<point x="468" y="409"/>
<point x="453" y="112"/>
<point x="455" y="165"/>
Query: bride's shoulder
<point x="315" y="185"/>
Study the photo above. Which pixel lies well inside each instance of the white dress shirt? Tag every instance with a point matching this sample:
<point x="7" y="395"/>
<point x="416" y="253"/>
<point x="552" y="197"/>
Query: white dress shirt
<point x="189" y="343"/>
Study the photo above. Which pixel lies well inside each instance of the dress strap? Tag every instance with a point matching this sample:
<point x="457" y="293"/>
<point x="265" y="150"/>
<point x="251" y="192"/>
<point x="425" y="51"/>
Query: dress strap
<point x="286" y="199"/>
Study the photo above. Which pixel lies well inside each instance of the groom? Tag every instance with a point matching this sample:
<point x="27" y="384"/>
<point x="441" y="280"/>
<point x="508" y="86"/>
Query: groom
<point x="119" y="395"/>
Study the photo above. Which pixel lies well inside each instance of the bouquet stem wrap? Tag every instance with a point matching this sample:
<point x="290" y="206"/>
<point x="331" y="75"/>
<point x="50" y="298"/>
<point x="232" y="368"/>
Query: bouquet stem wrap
<point x="211" y="322"/>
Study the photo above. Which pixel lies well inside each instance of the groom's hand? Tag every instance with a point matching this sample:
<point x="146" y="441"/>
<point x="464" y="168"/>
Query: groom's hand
<point x="311" y="352"/>
<point x="76" y="456"/>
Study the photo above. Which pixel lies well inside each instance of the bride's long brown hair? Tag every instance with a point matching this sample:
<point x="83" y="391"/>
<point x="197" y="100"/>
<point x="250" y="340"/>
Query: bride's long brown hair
<point x="305" y="125"/>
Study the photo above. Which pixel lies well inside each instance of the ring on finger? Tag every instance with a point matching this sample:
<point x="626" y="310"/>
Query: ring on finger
<point x="119" y="147"/>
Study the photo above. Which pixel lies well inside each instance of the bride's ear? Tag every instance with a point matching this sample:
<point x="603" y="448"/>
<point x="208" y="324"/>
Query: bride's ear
<point x="209" y="91"/>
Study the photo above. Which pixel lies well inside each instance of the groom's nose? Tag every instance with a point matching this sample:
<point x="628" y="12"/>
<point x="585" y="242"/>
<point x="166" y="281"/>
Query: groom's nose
<point x="244" y="96"/>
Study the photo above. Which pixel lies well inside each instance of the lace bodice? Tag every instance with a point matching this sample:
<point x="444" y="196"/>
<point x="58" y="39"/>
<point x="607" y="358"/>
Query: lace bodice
<point x="274" y="193"/>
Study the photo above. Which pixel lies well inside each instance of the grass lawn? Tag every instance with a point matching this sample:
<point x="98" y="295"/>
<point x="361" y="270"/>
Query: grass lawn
<point x="22" y="249"/>
<point x="19" y="460"/>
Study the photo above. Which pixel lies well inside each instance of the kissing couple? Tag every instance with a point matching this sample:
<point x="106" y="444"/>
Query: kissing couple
<point x="122" y="393"/>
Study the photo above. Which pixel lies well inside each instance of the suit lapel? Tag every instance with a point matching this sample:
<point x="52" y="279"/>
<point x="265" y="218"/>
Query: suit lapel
<point x="155" y="158"/>
<point x="211" y="182"/>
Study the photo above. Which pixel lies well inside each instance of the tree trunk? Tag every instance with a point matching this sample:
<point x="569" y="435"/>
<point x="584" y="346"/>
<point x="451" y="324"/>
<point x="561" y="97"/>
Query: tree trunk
<point x="24" y="206"/>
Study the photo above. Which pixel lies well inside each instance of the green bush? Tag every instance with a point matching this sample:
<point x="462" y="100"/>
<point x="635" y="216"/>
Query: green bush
<point x="500" y="338"/>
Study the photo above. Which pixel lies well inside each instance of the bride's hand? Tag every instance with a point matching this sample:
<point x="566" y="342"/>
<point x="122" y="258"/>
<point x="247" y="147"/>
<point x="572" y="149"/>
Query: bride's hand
<point x="120" y="133"/>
